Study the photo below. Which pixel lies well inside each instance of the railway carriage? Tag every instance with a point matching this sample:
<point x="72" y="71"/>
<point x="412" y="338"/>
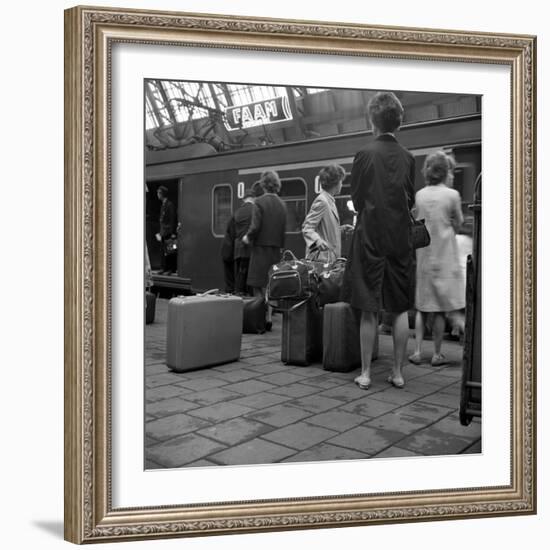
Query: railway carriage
<point x="208" y="187"/>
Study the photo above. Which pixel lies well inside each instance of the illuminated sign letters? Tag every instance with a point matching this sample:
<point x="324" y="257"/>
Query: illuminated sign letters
<point x="260" y="113"/>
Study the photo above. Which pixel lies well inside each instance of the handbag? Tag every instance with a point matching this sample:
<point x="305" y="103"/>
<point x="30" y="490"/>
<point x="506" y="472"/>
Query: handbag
<point x="170" y="246"/>
<point x="420" y="236"/>
<point x="291" y="279"/>
<point x="331" y="281"/>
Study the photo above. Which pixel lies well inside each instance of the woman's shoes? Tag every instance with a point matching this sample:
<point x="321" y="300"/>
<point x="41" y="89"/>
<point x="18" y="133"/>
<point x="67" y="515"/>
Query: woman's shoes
<point x="439" y="359"/>
<point x="396" y="381"/>
<point x="363" y="382"/>
<point x="415" y="359"/>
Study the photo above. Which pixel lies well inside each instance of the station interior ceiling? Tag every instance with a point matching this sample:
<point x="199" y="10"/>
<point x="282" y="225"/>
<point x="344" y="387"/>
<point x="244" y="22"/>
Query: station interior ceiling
<point x="215" y="117"/>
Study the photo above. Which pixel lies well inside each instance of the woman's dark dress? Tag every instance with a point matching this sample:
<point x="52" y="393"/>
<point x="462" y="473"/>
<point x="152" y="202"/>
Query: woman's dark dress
<point x="380" y="272"/>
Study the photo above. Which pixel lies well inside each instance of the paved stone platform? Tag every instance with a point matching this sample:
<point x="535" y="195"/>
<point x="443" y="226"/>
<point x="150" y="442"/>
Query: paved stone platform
<point x="258" y="410"/>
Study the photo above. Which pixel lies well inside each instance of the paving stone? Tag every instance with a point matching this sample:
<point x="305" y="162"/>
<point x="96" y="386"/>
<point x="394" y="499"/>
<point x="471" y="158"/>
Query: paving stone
<point x="396" y="452"/>
<point x="172" y="426"/>
<point x="451" y="371"/>
<point x="201" y="463"/>
<point x="183" y="450"/>
<point x="395" y="395"/>
<point x="256" y="451"/>
<point x="202" y="384"/>
<point x="432" y="442"/>
<point x="235" y="431"/>
<point x="156" y="368"/>
<point x="163" y="392"/>
<point x="436" y="379"/>
<point x="325" y="451"/>
<point x="475" y="448"/>
<point x="229" y="367"/>
<point x="451" y="425"/>
<point x="323" y="381"/>
<point x="366" y="440"/>
<point x="368" y="407"/>
<point x="257" y="360"/>
<point x="268" y="368"/>
<point x="279" y="415"/>
<point x="295" y="390"/>
<point x="299" y="436"/>
<point x="281" y="378"/>
<point x="410" y="418"/>
<point x="261" y="400"/>
<point x="167" y="407"/>
<point x="421" y="386"/>
<point x="316" y="403"/>
<point x="249" y="387"/>
<point x="152" y="465"/>
<point x="220" y="411"/>
<point x="444" y="399"/>
<point x="236" y="375"/>
<point x="163" y="379"/>
<point x="209" y="397"/>
<point x="337" y="420"/>
<point x="345" y="393"/>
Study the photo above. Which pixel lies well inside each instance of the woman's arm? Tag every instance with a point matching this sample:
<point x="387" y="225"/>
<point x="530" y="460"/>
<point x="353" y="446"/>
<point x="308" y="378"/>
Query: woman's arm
<point x="255" y="224"/>
<point x="457" y="219"/>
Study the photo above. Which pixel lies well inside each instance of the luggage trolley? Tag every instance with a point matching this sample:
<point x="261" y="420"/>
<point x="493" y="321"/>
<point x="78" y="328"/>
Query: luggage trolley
<point x="470" y="395"/>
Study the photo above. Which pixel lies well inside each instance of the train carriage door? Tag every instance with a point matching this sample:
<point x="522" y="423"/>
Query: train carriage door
<point x="294" y="195"/>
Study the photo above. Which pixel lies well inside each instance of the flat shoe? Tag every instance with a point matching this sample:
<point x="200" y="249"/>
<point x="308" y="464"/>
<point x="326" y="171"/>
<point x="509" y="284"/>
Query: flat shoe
<point x="415" y="359"/>
<point x="363" y="382"/>
<point x="395" y="382"/>
<point x="438" y="360"/>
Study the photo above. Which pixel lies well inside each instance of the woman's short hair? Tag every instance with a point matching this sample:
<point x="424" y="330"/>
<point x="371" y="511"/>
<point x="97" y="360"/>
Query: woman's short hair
<point x="437" y="166"/>
<point x="257" y="190"/>
<point x="162" y="190"/>
<point x="385" y="111"/>
<point x="330" y="176"/>
<point x="270" y="182"/>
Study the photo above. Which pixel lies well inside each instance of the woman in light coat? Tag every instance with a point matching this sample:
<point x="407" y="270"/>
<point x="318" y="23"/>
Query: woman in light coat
<point x="321" y="228"/>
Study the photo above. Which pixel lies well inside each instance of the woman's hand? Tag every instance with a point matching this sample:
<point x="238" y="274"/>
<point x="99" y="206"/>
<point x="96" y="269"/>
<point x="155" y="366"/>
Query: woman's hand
<point x="322" y="246"/>
<point x="246" y="240"/>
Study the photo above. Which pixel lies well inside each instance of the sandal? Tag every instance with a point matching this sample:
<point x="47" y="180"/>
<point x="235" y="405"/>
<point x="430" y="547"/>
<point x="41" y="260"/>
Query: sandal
<point x="396" y="382"/>
<point x="438" y="360"/>
<point x="363" y="382"/>
<point x="415" y="359"/>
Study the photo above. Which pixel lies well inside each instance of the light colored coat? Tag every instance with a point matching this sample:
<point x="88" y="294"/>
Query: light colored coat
<point x="322" y="224"/>
<point x="440" y="280"/>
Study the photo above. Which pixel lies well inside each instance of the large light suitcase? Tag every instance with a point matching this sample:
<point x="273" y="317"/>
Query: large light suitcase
<point x="341" y="343"/>
<point x="302" y="334"/>
<point x="203" y="330"/>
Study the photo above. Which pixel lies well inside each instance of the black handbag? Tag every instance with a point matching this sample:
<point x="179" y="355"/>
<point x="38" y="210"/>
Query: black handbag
<point x="420" y="236"/>
<point x="330" y="282"/>
<point x="291" y="278"/>
<point x="170" y="246"/>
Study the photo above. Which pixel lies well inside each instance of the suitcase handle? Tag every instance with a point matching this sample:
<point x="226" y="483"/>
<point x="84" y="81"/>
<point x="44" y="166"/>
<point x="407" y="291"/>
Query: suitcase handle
<point x="211" y="291"/>
<point x="287" y="310"/>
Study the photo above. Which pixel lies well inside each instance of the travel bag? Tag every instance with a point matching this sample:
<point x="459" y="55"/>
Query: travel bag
<point x="150" y="303"/>
<point x="291" y="279"/>
<point x="330" y="282"/>
<point x="341" y="342"/>
<point x="203" y="330"/>
<point x="301" y="341"/>
<point x="254" y="312"/>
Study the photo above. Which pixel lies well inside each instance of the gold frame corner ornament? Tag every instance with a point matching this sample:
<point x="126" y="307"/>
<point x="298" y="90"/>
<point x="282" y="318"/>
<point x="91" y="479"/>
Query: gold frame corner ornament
<point x="89" y="35"/>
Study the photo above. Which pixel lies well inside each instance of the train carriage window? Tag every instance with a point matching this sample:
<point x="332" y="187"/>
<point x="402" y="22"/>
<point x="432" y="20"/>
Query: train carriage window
<point x="293" y="193"/>
<point x="344" y="204"/>
<point x="222" y="208"/>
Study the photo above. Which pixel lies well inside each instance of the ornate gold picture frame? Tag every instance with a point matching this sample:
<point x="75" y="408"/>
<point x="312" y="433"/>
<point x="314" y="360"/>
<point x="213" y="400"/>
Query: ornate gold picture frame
<point x="90" y="34"/>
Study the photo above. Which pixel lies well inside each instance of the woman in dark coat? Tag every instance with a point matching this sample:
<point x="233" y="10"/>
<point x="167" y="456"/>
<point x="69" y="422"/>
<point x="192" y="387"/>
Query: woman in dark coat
<point x="266" y="234"/>
<point x="380" y="270"/>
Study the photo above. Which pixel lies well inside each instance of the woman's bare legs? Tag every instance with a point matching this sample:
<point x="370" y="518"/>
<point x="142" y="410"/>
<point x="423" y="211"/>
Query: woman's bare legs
<point x="367" y="334"/>
<point x="416" y="357"/>
<point x="400" y="333"/>
<point x="437" y="331"/>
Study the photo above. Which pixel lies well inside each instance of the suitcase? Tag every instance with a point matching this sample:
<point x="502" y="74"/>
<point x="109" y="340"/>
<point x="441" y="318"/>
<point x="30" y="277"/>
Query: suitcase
<point x="150" y="303"/>
<point x="254" y="312"/>
<point x="302" y="334"/>
<point x="341" y="343"/>
<point x="203" y="330"/>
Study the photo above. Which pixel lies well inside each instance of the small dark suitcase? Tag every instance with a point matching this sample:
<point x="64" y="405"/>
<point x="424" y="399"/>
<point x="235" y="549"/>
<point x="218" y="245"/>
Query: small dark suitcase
<point x="150" y="303"/>
<point x="341" y="342"/>
<point x="254" y="312"/>
<point x="302" y="335"/>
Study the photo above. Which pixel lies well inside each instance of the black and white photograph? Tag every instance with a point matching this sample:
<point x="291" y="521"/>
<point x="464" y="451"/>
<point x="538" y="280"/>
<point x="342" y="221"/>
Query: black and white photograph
<point x="312" y="274"/>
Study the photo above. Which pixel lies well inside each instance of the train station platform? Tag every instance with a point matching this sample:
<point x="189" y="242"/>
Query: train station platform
<point x="258" y="410"/>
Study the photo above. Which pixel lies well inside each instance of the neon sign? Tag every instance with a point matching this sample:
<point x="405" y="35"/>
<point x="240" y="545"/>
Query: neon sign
<point x="260" y="113"/>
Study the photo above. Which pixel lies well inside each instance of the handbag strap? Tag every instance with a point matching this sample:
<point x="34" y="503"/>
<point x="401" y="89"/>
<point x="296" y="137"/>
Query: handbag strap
<point x="289" y="253"/>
